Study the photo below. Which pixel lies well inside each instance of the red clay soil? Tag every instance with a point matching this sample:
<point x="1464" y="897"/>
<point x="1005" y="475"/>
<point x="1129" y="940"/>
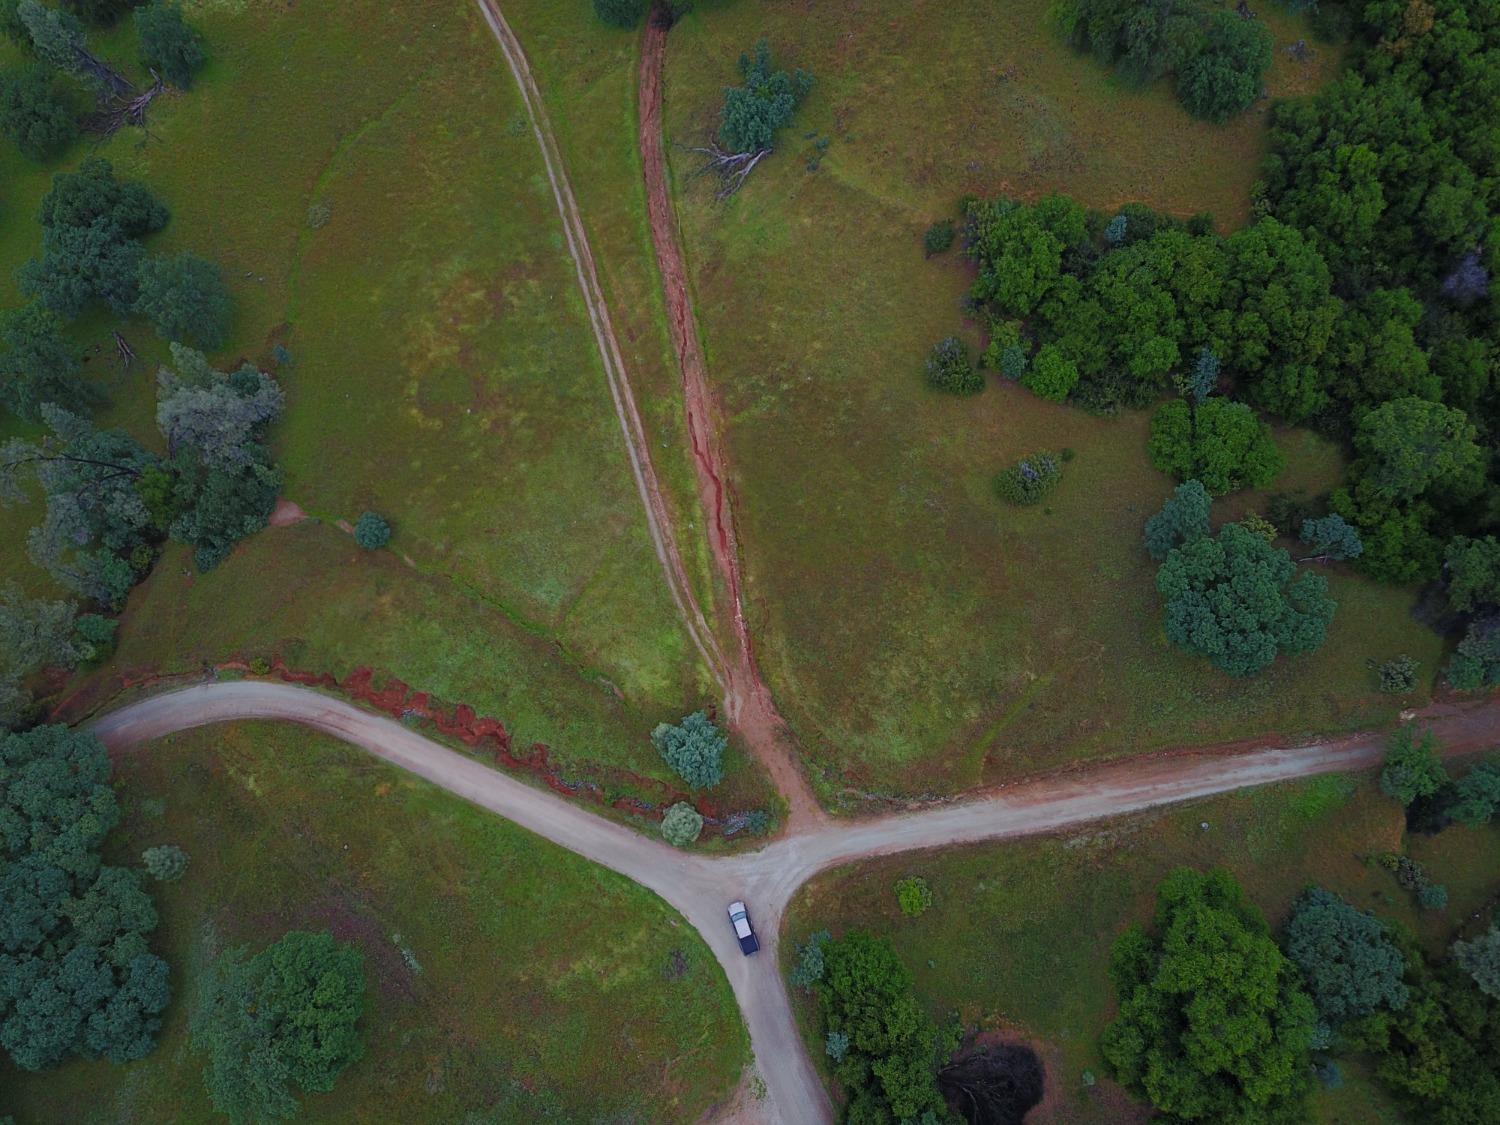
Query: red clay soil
<point x="748" y="701"/>
<point x="286" y="513"/>
<point x="481" y="733"/>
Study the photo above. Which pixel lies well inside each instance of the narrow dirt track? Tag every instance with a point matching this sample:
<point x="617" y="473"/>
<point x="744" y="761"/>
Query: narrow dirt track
<point x="699" y="887"/>
<point x="747" y="703"/>
<point x="756" y="717"/>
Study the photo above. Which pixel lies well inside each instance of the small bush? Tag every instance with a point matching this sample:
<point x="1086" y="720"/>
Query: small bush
<point x="319" y="211"/>
<point x="1289" y="511"/>
<point x="1030" y="479"/>
<point x="681" y="825"/>
<point x="950" y="369"/>
<point x="939" y="237"/>
<point x="260" y="666"/>
<point x="371" y="531"/>
<point x="1052" y="376"/>
<point x="166" y="863"/>
<point x="913" y="895"/>
<point x="95" y="636"/>
<point x="1013" y="362"/>
<point x="169" y="43"/>
<point x="1433" y="896"/>
<point x="624" y="14"/>
<point x="1257" y="524"/>
<point x="1412" y="768"/>
<point x="1397" y="675"/>
<point x="836" y="1045"/>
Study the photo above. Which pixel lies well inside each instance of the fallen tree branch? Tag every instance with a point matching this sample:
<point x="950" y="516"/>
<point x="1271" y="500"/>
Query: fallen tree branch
<point x="732" y="168"/>
<point x="116" y="116"/>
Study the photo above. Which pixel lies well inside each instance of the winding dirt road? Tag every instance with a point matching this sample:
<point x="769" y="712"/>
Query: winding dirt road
<point x="699" y="887"/>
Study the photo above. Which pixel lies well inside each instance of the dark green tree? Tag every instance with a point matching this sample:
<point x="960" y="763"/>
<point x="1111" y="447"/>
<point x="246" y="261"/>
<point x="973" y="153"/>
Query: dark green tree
<point x="624" y="14"/>
<point x="755" y="110"/>
<point x="1234" y="599"/>
<point x="949" y="368"/>
<point x="169" y="44"/>
<point x="81" y="265"/>
<point x="1020" y="249"/>
<point x="1347" y="958"/>
<point x="889" y="1070"/>
<point x="1052" y="374"/>
<point x="1331" y="537"/>
<point x="1375" y="353"/>
<point x="285" y="1018"/>
<point x="100" y="13"/>
<point x="1476" y="661"/>
<point x="76" y="974"/>
<point x="185" y="299"/>
<point x="1473" y="570"/>
<point x="1213" y="1023"/>
<point x="1412" y="768"/>
<point x="34" y="114"/>
<point x="693" y="748"/>
<point x="92" y="192"/>
<point x="371" y="531"/>
<point x="38" y="364"/>
<point x="1183" y="518"/>
<point x="1477" y="795"/>
<point x="1410" y="446"/>
<point x="1219" y="443"/>
<point x="1226" y="76"/>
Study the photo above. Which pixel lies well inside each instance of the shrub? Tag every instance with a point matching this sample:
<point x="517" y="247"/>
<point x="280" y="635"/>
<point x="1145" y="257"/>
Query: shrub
<point x="950" y="369"/>
<point x="1480" y="958"/>
<point x="1432" y="896"/>
<point x="1473" y="570"/>
<point x="185" y="299"/>
<point x="1398" y="675"/>
<point x="260" y="666"/>
<point x="1052" y="375"/>
<point x="165" y="863"/>
<point x="681" y="825"/>
<point x="1289" y="511"/>
<point x="371" y="531"/>
<point x="1239" y="601"/>
<point x="754" y="111"/>
<point x="809" y="967"/>
<point x="694" y="748"/>
<point x="1477" y="795"/>
<point x="836" y="1045"/>
<point x="1257" y="525"/>
<point x="169" y="44"/>
<point x="1173" y="1041"/>
<point x="1183" y="518"/>
<point x="1013" y="361"/>
<point x="285" y="1017"/>
<point x="1030" y="479"/>
<point x="1221" y="443"/>
<point x="1115" y="230"/>
<point x="1332" y="538"/>
<point x="1412" y="768"/>
<point x="913" y="895"/>
<point x="624" y="14"/>
<point x="94" y="636"/>
<point x="1476" y="662"/>
<point x="938" y="238"/>
<point x="1225" y="77"/>
<point x="34" y="115"/>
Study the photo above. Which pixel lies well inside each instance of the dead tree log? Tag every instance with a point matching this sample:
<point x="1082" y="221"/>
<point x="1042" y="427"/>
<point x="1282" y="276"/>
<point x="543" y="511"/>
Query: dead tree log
<point x="127" y="353"/>
<point x="732" y="168"/>
<point x="110" y="82"/>
<point x="115" y="117"/>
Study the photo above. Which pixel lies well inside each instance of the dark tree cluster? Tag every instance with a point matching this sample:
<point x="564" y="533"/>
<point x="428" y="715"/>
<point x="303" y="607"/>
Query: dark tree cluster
<point x="111" y="503"/>
<point x="77" y="977"/>
<point x="1219" y="56"/>
<point x="884" y="1046"/>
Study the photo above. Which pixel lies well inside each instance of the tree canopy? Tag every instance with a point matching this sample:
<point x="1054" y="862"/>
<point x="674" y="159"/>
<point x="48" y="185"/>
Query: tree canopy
<point x="34" y="114"/>
<point x="694" y="748"/>
<point x="76" y="974"/>
<point x="1347" y="958"/>
<point x="1183" y="518"/>
<point x="169" y="44"/>
<point x="1213" y="1023"/>
<point x="762" y="104"/>
<point x="286" y="1017"/>
<point x="185" y="299"/>
<point x="1234" y="599"/>
<point x="1219" y="443"/>
<point x="1412" y="768"/>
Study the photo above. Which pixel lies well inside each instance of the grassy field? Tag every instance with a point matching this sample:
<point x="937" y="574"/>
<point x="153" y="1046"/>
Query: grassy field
<point x="338" y="608"/>
<point x="1019" y="934"/>
<point x="403" y="246"/>
<point x="920" y="635"/>
<point x="490" y="997"/>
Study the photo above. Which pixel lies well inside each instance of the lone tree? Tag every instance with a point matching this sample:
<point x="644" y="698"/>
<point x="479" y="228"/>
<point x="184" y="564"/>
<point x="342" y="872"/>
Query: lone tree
<point x="1224" y="78"/>
<point x="1234" y="599"/>
<point x="694" y="748"/>
<point x="371" y="531"/>
<point x="1213" y="1023"/>
<point x="285" y="1017"/>
<point x="751" y="115"/>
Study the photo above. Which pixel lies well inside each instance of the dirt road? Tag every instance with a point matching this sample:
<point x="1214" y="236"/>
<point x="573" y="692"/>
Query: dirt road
<point x="747" y="703"/>
<point x="700" y="887"/>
